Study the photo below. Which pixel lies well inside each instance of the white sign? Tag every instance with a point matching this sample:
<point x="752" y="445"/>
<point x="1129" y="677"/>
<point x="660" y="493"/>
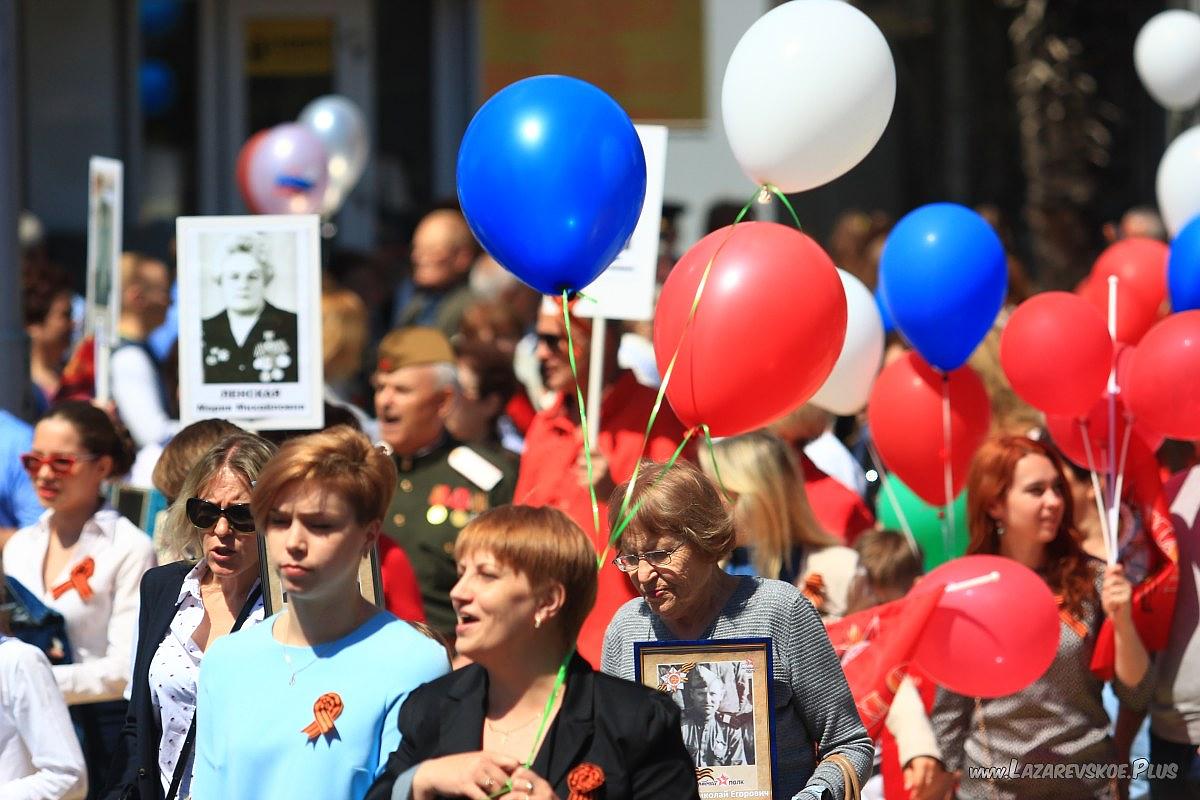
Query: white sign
<point x="103" y="307"/>
<point x="626" y="289"/>
<point x="250" y="321"/>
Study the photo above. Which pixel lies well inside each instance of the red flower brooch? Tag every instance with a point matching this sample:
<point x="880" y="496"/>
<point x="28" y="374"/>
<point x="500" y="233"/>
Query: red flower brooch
<point x="583" y="780"/>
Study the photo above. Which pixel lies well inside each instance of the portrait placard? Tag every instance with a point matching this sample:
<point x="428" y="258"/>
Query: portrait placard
<point x="250" y="321"/>
<point x="723" y="689"/>
<point x="103" y="306"/>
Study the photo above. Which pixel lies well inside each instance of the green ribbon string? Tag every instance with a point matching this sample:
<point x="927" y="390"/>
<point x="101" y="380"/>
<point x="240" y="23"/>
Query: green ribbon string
<point x="587" y="447"/>
<point x="712" y="454"/>
<point x="627" y="514"/>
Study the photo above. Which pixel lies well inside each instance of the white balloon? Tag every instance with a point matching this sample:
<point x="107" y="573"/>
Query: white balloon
<point x="846" y="389"/>
<point x="342" y="128"/>
<point x="808" y="92"/>
<point x="1178" y="181"/>
<point x="1167" y="57"/>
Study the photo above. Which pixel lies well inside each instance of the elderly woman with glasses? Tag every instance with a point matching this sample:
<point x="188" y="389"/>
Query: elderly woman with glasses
<point x="680" y="531"/>
<point x="185" y="606"/>
<point x="84" y="560"/>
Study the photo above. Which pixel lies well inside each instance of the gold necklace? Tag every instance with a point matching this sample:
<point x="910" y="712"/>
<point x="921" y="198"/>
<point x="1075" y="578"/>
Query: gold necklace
<point x="505" y="734"/>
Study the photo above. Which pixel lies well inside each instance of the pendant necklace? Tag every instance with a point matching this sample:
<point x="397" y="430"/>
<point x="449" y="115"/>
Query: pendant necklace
<point x="505" y="734"/>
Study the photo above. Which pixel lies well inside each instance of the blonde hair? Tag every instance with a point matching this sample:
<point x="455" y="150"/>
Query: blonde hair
<point x="241" y="455"/>
<point x="344" y="333"/>
<point x="772" y="507"/>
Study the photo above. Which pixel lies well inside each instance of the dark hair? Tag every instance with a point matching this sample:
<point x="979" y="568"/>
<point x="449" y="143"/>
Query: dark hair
<point x="492" y="366"/>
<point x="41" y="284"/>
<point x="100" y="435"/>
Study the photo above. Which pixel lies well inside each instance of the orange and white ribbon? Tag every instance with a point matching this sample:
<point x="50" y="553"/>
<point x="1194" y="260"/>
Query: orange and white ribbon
<point x="78" y="580"/>
<point x="327" y="708"/>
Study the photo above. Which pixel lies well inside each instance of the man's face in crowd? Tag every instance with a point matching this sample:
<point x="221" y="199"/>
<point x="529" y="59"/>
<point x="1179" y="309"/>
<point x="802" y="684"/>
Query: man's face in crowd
<point x="441" y="251"/>
<point x="411" y="407"/>
<point x="552" y="350"/>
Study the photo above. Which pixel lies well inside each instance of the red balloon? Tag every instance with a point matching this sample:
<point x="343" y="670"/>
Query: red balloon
<point x="245" y="156"/>
<point x="1163" y="388"/>
<point x="1136" y="312"/>
<point x="994" y="638"/>
<point x="1138" y="262"/>
<point x="905" y="415"/>
<point x="767" y="331"/>
<point x="1056" y="352"/>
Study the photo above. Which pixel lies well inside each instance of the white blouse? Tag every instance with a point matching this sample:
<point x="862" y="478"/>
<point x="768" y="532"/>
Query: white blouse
<point x="175" y="671"/>
<point x="40" y="757"/>
<point x="102" y="628"/>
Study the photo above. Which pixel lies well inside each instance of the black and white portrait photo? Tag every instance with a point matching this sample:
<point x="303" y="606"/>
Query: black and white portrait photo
<point x="723" y="690"/>
<point x="249" y="299"/>
<point x="250" y="339"/>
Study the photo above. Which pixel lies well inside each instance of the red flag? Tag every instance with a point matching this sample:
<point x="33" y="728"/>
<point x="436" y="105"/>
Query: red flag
<point x="875" y="647"/>
<point x="1153" y="602"/>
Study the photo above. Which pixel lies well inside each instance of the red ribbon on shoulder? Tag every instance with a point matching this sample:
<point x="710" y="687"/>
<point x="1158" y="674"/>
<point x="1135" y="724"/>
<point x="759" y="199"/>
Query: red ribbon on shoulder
<point x="78" y="580"/>
<point x="327" y="708"/>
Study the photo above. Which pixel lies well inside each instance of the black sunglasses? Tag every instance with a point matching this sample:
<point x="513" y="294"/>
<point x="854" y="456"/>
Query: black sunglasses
<point x="204" y="515"/>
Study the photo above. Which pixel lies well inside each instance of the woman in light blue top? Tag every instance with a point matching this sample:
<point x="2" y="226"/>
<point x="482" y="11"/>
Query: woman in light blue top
<point x="305" y="704"/>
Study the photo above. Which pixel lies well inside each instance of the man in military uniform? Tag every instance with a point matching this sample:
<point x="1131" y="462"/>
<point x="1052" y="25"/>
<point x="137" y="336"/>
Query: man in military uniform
<point x="443" y="484"/>
<point x="251" y="341"/>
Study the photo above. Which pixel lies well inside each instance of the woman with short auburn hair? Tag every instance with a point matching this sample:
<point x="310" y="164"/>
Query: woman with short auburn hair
<point x="1019" y="507"/>
<point x="679" y="532"/>
<point x="305" y="704"/>
<point x="527" y="581"/>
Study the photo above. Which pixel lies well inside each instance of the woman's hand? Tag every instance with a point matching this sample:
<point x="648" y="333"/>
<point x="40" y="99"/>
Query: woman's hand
<point x="528" y="785"/>
<point x="1116" y="594"/>
<point x="472" y="775"/>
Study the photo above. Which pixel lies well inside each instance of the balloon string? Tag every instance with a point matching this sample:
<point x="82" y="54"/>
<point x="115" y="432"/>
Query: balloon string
<point x="1114" y="522"/>
<point x="587" y="448"/>
<point x="885" y="481"/>
<point x="947" y="466"/>
<point x="712" y="455"/>
<point x="1097" y="491"/>
<point x="783" y="199"/>
<point x="669" y="371"/>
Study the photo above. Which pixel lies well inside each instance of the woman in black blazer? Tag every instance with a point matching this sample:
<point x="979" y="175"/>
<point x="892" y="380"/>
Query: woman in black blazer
<point x="185" y="606"/>
<point x="527" y="580"/>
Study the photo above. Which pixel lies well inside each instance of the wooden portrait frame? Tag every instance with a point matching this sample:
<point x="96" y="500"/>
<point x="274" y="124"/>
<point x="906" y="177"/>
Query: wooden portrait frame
<point x="746" y="725"/>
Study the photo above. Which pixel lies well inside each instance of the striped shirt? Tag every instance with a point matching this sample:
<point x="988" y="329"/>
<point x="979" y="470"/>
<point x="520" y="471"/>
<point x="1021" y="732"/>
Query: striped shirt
<point x="808" y="688"/>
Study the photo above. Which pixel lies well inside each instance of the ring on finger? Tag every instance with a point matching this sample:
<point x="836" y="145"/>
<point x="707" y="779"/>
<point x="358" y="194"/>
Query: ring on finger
<point x="488" y="783"/>
<point x="528" y="788"/>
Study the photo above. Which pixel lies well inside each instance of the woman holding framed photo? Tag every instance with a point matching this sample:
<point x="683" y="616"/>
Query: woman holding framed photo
<point x="305" y="704"/>
<point x="671" y="550"/>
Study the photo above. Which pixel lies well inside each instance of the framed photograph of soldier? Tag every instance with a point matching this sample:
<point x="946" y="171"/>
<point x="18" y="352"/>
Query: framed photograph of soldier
<point x="103" y="293"/>
<point x="250" y="320"/>
<point x="370" y="581"/>
<point x="723" y="690"/>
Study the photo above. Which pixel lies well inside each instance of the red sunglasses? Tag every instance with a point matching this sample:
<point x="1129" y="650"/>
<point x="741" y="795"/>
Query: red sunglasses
<point x="59" y="463"/>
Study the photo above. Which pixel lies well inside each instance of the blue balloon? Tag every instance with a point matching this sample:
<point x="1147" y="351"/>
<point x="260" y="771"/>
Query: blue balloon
<point x="1183" y="268"/>
<point x="551" y="178"/>
<point x="158" y="87"/>
<point x="889" y="324"/>
<point x="943" y="275"/>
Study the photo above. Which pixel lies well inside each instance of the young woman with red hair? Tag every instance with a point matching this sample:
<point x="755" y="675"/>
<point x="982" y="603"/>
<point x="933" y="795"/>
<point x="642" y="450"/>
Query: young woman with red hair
<point x="1019" y="507"/>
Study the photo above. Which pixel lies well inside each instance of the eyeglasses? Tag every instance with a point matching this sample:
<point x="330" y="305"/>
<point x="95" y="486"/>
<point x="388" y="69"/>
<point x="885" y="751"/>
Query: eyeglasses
<point x="552" y="340"/>
<point x="204" y="515"/>
<point x="628" y="562"/>
<point x="59" y="463"/>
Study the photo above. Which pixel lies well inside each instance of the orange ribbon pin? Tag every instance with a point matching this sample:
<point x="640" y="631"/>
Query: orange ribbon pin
<point x="327" y="708"/>
<point x="78" y="580"/>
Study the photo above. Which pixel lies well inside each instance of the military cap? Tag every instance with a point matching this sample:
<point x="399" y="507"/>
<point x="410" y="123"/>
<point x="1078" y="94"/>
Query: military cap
<point x="412" y="347"/>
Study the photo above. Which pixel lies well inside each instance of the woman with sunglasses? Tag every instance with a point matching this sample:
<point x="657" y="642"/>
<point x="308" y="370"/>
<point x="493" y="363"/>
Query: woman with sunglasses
<point x="305" y="704"/>
<point x="186" y="605"/>
<point x="671" y="550"/>
<point x="84" y="560"/>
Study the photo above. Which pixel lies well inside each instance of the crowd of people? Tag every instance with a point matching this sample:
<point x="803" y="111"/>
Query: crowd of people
<point x="232" y="646"/>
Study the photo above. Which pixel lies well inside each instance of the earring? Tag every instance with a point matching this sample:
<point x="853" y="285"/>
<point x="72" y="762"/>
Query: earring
<point x="537" y="622"/>
<point x="999" y="527"/>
